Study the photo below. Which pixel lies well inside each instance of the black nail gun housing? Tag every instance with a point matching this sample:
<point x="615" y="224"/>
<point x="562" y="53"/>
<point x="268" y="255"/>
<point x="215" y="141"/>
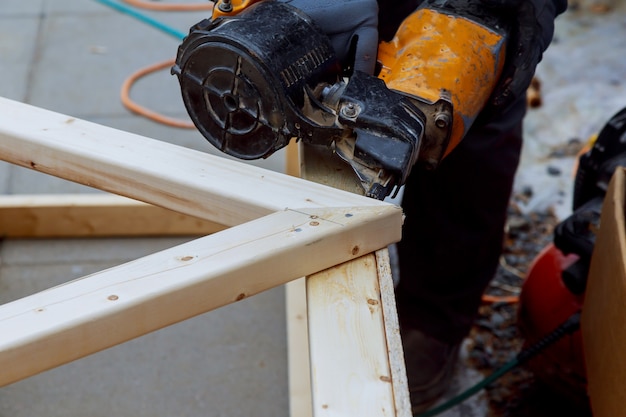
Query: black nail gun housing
<point x="253" y="81"/>
<point x="244" y="79"/>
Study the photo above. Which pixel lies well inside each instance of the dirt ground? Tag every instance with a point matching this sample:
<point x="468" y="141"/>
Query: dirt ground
<point x="582" y="82"/>
<point x="497" y="339"/>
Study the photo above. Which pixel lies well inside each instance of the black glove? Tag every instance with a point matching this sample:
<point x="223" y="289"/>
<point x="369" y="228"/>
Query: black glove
<point x="531" y="34"/>
<point x="530" y="24"/>
<point x="351" y="25"/>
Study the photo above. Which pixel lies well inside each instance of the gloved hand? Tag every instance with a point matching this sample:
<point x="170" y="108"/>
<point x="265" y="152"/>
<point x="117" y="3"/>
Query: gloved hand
<point x="531" y="35"/>
<point x="347" y="22"/>
<point x="531" y="27"/>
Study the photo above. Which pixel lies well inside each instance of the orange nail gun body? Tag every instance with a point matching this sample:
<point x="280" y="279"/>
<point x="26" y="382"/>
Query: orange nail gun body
<point x="437" y="55"/>
<point x="259" y="73"/>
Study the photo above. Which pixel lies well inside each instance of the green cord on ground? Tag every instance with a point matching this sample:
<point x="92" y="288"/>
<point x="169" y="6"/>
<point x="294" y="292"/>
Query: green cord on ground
<point x="567" y="327"/>
<point x="472" y="390"/>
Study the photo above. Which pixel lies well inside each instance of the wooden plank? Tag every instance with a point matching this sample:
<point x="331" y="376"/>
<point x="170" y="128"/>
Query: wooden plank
<point x="292" y="162"/>
<point x="357" y="364"/>
<point x="300" y="398"/>
<point x="322" y="167"/>
<point x="603" y="320"/>
<point x="397" y="366"/>
<point x="92" y="215"/>
<point x="180" y="179"/>
<point x="299" y="366"/>
<point x="84" y="316"/>
<point x="349" y="363"/>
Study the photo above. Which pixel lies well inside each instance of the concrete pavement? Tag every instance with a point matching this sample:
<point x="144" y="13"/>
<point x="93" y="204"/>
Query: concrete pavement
<point x="72" y="56"/>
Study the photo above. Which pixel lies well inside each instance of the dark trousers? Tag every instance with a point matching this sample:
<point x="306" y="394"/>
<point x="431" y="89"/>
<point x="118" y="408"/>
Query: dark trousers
<point x="454" y="227"/>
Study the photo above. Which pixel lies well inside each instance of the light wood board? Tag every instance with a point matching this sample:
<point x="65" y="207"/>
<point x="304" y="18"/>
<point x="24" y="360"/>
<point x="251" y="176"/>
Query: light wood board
<point x="190" y="182"/>
<point x="180" y="179"/>
<point x="93" y="313"/>
<point x="604" y="310"/>
<point x="357" y="363"/>
<point x="92" y="215"/>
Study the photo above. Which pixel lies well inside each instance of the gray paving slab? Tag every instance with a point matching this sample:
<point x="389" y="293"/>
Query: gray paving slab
<point x="20" y="7"/>
<point x="85" y="57"/>
<point x="228" y="362"/>
<point x="71" y="6"/>
<point x="84" y="60"/>
<point x="26" y="181"/>
<point x="5" y="170"/>
<point x="24" y="252"/>
<point x="18" y="37"/>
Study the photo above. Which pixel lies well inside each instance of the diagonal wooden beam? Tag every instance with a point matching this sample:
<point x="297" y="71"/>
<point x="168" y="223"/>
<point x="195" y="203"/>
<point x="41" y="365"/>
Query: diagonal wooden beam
<point x="181" y="179"/>
<point x="71" y="321"/>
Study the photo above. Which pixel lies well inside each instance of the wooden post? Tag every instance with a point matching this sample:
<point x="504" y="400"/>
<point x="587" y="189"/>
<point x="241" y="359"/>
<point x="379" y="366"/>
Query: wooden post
<point x="363" y="347"/>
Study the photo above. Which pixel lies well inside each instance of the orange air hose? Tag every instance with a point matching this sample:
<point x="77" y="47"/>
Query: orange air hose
<point x="173" y="7"/>
<point x="487" y="298"/>
<point x="133" y="78"/>
<point x="143" y="111"/>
